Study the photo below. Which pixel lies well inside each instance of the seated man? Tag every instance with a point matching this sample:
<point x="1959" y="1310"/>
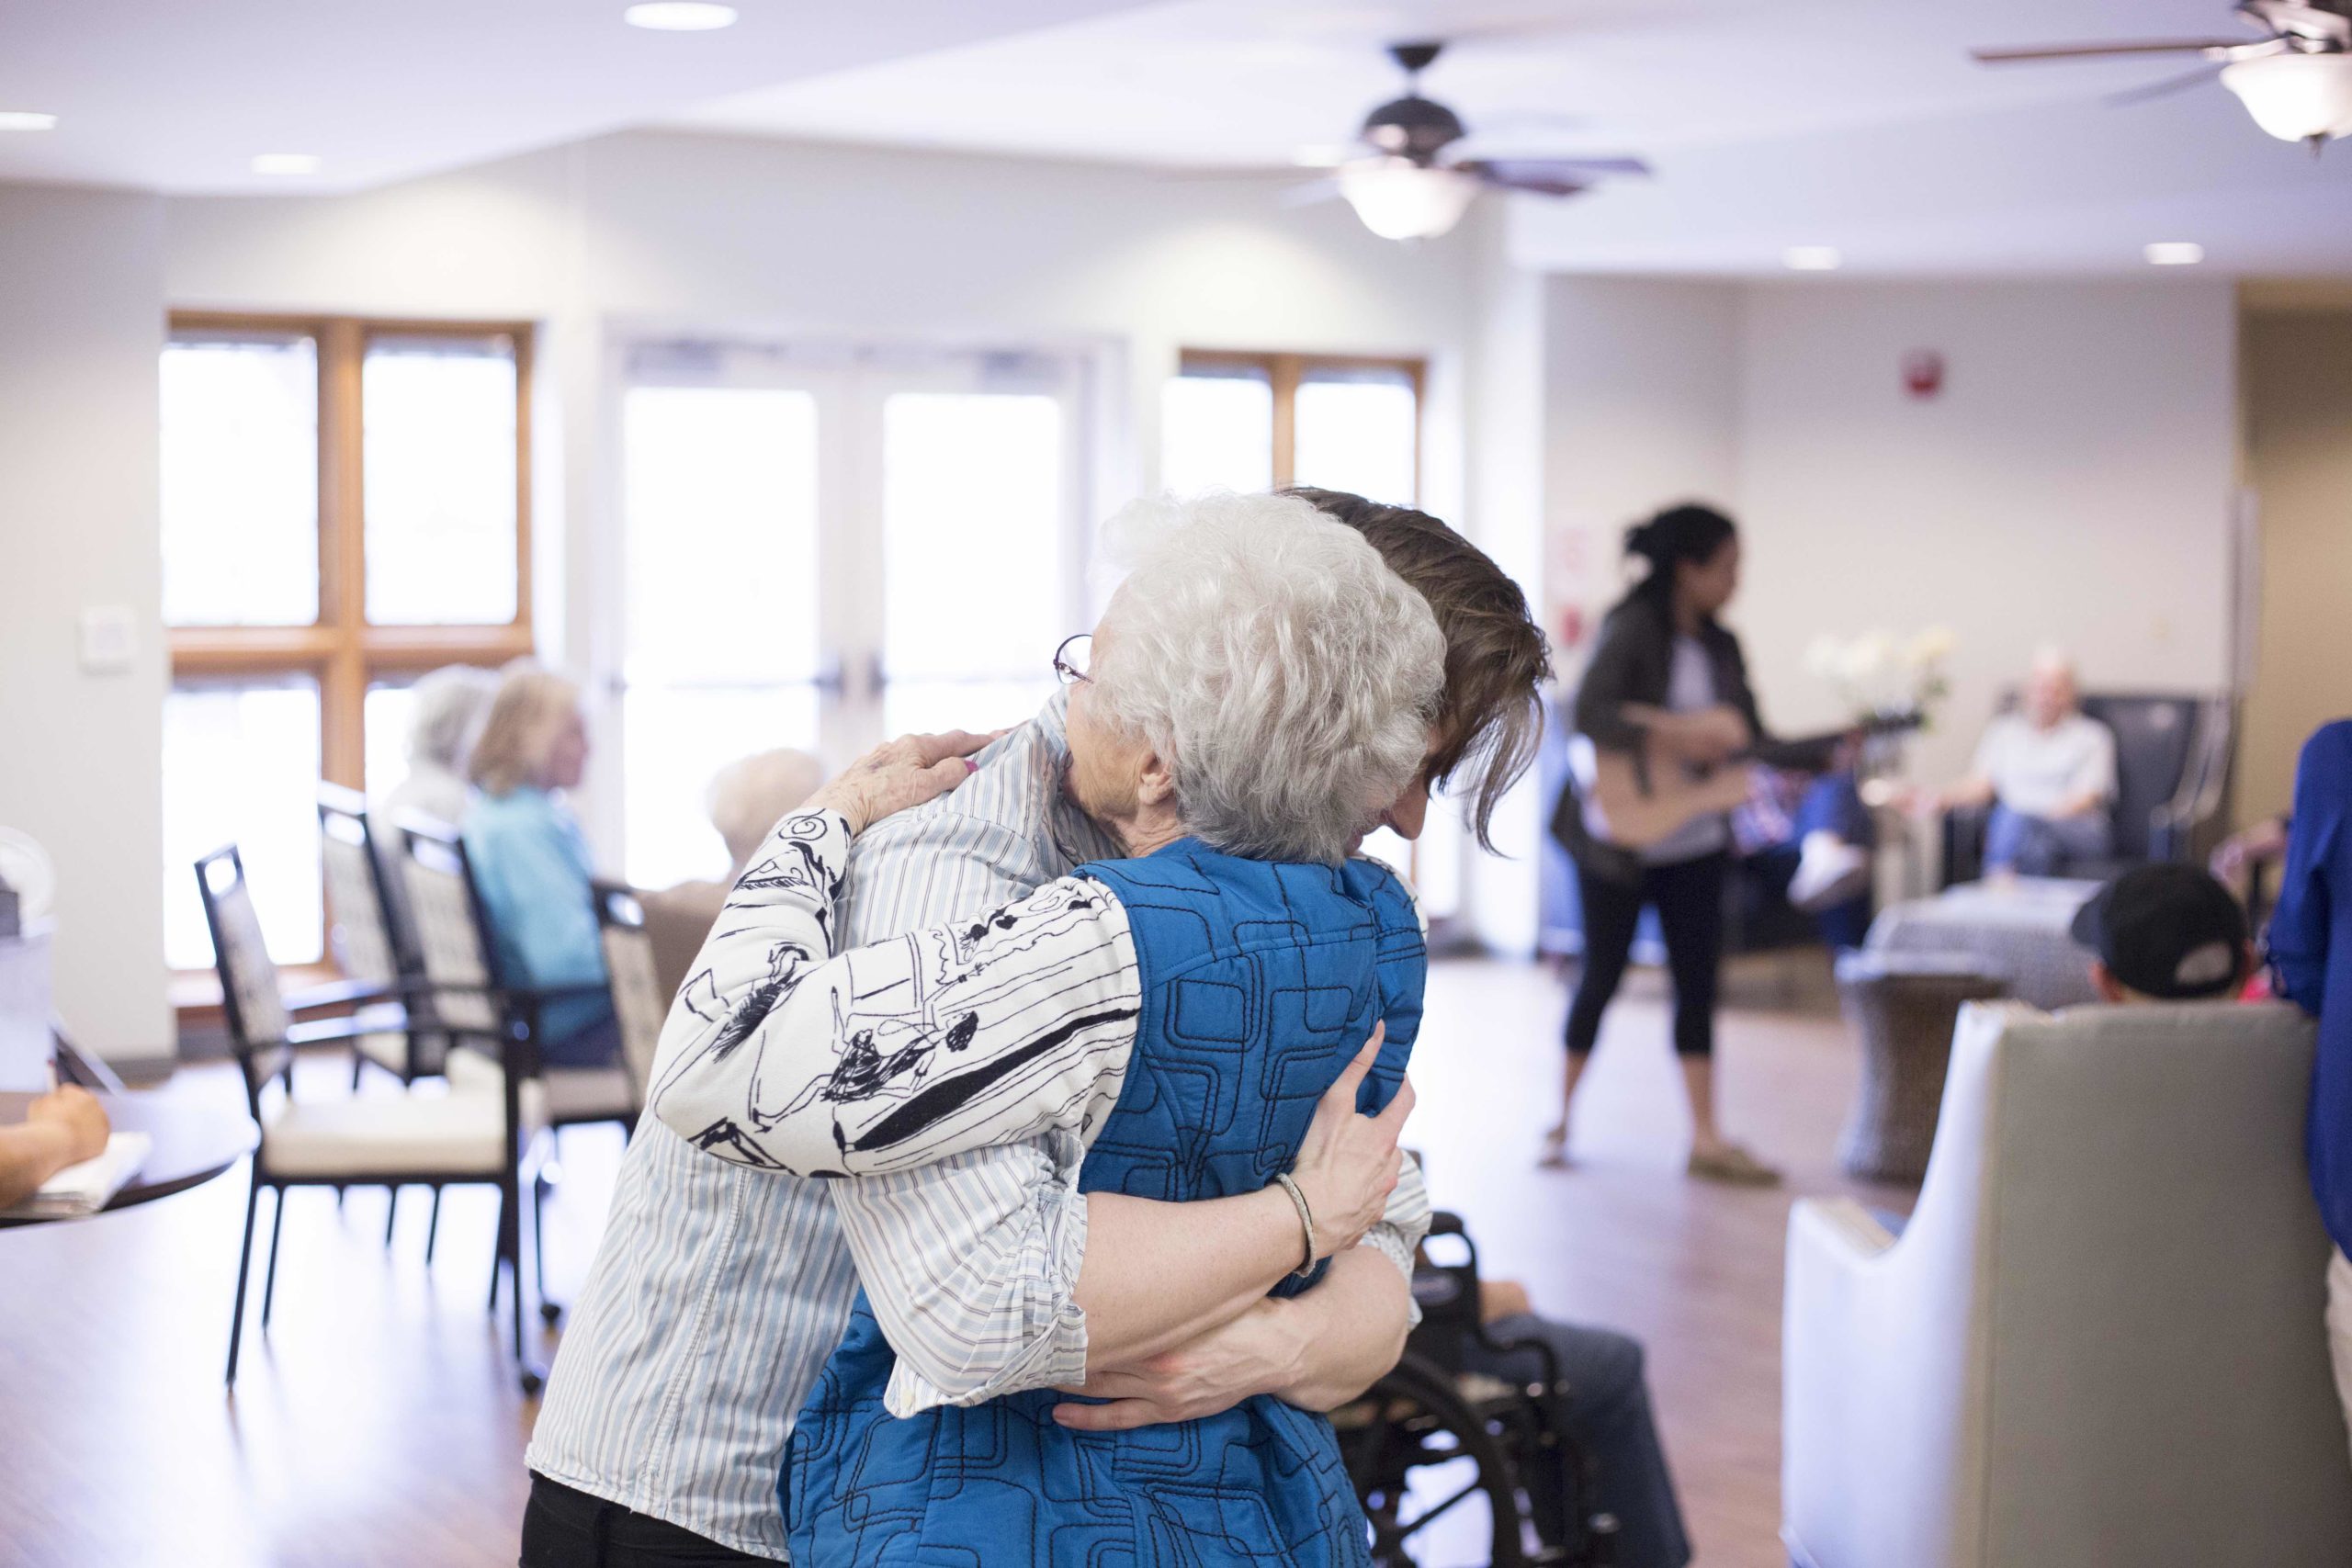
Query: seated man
<point x="62" y="1127"/>
<point x="2049" y="774"/>
<point x="1811" y="840"/>
<point x="1605" y="1410"/>
<point x="745" y="799"/>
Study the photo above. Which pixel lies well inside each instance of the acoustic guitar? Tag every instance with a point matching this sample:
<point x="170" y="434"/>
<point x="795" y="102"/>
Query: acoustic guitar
<point x="1637" y="799"/>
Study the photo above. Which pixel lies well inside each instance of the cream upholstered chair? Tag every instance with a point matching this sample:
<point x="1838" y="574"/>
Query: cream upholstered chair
<point x="472" y="999"/>
<point x="476" y="1004"/>
<point x="472" y="1134"/>
<point x="2098" y="1339"/>
<point x="367" y="932"/>
<point x="638" y="1000"/>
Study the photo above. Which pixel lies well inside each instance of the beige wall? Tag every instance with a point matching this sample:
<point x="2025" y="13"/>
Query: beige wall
<point x="2298" y="372"/>
<point x="80" y="754"/>
<point x="2072" y="483"/>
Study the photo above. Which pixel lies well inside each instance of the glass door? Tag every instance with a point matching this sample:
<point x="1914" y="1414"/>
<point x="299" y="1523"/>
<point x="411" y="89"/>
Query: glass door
<point x="979" y="567"/>
<point x="728" y="616"/>
<point x="827" y="548"/>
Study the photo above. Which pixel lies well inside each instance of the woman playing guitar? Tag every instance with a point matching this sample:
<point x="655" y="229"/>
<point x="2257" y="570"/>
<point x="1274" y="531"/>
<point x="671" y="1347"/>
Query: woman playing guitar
<point x="1662" y="716"/>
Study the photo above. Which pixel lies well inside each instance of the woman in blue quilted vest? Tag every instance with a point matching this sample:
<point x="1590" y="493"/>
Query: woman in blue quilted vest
<point x="1259" y="688"/>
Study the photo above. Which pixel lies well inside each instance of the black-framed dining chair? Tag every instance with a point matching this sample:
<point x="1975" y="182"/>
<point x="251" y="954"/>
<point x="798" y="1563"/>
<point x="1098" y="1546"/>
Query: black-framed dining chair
<point x="470" y="1134"/>
<point x="369" y="937"/>
<point x="638" y="1001"/>
<point x="471" y="995"/>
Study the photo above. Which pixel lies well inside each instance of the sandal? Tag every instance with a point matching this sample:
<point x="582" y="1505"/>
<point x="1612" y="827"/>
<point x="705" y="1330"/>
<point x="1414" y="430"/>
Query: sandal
<point x="1732" y="1166"/>
<point x="1555" y="1156"/>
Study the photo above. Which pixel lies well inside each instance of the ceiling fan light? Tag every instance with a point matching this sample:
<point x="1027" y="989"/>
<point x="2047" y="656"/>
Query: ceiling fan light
<point x="1399" y="199"/>
<point x="680" y="15"/>
<point x="2295" y="97"/>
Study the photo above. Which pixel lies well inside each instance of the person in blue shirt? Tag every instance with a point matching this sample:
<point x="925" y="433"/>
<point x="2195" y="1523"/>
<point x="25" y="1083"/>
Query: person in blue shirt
<point x="2311" y="953"/>
<point x="531" y="861"/>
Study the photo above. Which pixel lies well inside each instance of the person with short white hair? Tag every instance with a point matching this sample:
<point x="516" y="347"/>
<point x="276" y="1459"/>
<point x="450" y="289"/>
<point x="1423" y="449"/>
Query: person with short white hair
<point x="1258" y="690"/>
<point x="449" y="705"/>
<point x="2049" y="774"/>
<point x="745" y="799"/>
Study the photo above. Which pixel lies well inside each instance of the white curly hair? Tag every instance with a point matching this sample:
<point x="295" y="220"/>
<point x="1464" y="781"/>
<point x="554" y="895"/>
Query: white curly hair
<point x="1286" y="674"/>
<point x="450" y="704"/>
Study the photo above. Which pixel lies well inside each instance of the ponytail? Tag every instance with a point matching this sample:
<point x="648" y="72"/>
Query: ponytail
<point x="1686" y="531"/>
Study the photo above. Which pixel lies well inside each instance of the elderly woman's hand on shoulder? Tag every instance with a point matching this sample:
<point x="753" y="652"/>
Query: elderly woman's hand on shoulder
<point x="900" y="773"/>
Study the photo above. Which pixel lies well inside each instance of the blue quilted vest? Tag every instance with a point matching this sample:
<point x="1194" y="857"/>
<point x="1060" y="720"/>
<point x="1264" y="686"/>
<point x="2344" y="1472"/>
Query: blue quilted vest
<point x="1261" y="982"/>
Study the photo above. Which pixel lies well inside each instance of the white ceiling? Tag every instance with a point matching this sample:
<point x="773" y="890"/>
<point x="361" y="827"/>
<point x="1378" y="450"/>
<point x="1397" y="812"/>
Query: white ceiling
<point x="1856" y="123"/>
<point x="180" y="95"/>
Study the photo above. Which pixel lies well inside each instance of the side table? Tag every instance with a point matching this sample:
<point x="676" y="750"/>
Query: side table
<point x="1902" y="1006"/>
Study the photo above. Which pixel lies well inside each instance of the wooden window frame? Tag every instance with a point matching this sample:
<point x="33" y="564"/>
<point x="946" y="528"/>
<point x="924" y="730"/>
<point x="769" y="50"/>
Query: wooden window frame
<point x="1284" y="371"/>
<point x="341" y="650"/>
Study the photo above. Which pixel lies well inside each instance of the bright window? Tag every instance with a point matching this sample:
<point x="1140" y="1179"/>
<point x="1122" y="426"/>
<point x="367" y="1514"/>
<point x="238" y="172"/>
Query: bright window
<point x="1247" y="421"/>
<point x="720" y="512"/>
<point x="972" y="520"/>
<point x="1356" y="429"/>
<point x="1217" y="425"/>
<point x="303" y="603"/>
<point x="676" y="738"/>
<point x="439" y="460"/>
<point x="242" y="764"/>
<point x="1250" y="421"/>
<point x="241" y="481"/>
<point x="826" y="543"/>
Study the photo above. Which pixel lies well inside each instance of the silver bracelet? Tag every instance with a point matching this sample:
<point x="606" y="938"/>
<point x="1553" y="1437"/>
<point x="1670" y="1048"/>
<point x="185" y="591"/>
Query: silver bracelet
<point x="1305" y="1221"/>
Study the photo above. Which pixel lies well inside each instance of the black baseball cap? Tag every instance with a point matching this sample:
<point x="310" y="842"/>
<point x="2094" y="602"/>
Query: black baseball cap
<point x="2166" y="931"/>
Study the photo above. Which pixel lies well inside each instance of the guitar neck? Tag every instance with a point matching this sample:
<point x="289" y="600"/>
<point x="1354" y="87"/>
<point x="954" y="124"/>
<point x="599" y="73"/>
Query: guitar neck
<point x="1810" y="754"/>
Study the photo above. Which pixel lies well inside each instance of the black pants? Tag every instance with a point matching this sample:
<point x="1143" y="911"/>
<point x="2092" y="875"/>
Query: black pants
<point x="564" y="1528"/>
<point x="1689" y="897"/>
<point x="1607" y="1412"/>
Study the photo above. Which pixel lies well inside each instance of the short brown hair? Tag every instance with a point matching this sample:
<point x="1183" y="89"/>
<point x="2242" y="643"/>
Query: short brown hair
<point x="1490" y="717"/>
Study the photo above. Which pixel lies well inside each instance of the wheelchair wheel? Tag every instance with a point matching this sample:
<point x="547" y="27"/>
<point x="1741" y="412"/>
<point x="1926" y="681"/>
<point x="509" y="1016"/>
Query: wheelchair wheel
<point x="1413" y="1419"/>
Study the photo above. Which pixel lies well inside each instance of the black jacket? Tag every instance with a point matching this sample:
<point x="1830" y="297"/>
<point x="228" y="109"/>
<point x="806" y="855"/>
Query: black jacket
<point x="1633" y="662"/>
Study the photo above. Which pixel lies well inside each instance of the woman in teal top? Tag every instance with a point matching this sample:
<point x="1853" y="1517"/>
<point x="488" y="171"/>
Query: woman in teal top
<point x="531" y="861"/>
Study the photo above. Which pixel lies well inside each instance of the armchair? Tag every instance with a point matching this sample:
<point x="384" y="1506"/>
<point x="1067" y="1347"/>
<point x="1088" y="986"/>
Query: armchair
<point x="2171" y="768"/>
<point x="2098" y="1340"/>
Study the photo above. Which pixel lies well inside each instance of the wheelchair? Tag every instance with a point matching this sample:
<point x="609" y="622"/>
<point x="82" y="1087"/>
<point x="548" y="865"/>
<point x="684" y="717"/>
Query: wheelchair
<point x="1431" y="1411"/>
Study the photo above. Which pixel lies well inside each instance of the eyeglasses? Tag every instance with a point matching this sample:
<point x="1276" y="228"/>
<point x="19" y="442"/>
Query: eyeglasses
<point x="1069" y="658"/>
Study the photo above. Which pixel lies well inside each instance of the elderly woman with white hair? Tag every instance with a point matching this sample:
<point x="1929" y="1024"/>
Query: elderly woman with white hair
<point x="446" y="708"/>
<point x="1257" y="693"/>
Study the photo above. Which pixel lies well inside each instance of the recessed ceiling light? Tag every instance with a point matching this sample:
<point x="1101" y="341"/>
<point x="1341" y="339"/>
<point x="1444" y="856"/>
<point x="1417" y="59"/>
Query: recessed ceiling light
<point x="286" y="164"/>
<point x="1811" y="258"/>
<point x="27" y="119"/>
<point x="2175" y="252"/>
<point x="680" y="15"/>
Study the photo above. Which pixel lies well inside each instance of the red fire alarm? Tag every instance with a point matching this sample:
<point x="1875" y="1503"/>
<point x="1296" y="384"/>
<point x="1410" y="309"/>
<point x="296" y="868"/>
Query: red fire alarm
<point x="1923" y="372"/>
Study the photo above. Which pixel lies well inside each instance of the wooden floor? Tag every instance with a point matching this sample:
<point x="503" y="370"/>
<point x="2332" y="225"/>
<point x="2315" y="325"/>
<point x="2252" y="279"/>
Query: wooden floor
<point x="378" y="1421"/>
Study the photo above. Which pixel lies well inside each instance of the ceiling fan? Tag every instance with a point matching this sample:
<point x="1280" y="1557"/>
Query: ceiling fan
<point x="1411" y="184"/>
<point x="2295" y="80"/>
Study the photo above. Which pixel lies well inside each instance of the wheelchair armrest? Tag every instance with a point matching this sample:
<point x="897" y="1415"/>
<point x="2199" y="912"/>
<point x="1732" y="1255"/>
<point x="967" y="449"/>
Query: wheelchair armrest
<point x="1536" y="1345"/>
